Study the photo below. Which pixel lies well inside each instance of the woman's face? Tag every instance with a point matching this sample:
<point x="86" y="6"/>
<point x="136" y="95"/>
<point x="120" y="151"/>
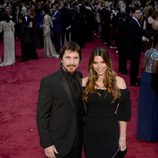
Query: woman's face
<point x="99" y="65"/>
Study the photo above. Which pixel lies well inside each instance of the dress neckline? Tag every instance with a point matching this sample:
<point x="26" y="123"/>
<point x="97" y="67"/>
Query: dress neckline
<point x="106" y="89"/>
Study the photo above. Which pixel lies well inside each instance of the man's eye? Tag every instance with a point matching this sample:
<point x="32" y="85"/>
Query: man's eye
<point x="67" y="57"/>
<point x="76" y="58"/>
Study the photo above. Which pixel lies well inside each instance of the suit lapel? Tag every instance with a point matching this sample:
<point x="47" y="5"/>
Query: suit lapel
<point x="66" y="88"/>
<point x="80" y="82"/>
<point x="137" y="23"/>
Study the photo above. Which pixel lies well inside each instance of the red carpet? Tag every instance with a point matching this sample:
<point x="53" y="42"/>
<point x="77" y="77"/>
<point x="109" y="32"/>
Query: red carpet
<point x="19" y="85"/>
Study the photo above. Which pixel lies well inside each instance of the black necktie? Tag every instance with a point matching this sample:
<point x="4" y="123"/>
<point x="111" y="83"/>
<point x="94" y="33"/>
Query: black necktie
<point x="75" y="89"/>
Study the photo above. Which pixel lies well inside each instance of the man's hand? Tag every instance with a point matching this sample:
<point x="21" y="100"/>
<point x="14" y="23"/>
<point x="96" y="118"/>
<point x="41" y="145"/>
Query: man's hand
<point x="50" y="151"/>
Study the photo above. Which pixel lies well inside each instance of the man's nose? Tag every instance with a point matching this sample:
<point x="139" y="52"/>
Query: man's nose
<point x="71" y="61"/>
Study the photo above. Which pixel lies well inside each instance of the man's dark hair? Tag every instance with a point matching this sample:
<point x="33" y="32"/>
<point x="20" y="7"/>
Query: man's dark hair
<point x="136" y="7"/>
<point x="71" y="46"/>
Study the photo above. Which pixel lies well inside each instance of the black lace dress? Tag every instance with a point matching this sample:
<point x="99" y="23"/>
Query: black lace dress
<point x="101" y="130"/>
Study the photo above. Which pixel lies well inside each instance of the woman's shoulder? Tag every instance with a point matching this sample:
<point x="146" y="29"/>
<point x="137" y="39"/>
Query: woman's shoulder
<point x="84" y="81"/>
<point x="154" y="56"/>
<point x="120" y="82"/>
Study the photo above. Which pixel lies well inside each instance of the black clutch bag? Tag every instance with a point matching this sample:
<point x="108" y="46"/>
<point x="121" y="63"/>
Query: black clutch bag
<point x="119" y="153"/>
<point x="154" y="82"/>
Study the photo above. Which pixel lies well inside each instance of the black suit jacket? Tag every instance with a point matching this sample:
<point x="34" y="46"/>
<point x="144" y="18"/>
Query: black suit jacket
<point x="135" y="36"/>
<point x="123" y="34"/>
<point x="66" y="17"/>
<point x="56" y="115"/>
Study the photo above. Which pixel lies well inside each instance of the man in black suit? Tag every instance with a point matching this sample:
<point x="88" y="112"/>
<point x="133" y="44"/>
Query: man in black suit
<point x="66" y="18"/>
<point x="122" y="42"/>
<point x="56" y="17"/>
<point x="59" y="109"/>
<point x="135" y="44"/>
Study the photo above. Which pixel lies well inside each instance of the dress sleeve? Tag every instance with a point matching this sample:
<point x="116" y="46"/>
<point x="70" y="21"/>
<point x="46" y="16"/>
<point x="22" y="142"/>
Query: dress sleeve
<point x="124" y="107"/>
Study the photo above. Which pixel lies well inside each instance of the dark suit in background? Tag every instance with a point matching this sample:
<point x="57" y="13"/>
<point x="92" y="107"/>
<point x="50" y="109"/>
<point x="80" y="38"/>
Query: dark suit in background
<point x="123" y="42"/>
<point x="135" y="43"/>
<point x="77" y="27"/>
<point x="66" y="18"/>
<point x="56" y="17"/>
<point x="135" y="47"/>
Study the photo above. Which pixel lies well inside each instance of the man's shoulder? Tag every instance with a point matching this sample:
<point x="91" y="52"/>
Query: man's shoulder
<point x="51" y="77"/>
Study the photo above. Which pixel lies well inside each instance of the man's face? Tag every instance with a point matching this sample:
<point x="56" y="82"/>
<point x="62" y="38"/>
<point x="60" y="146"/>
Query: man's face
<point x="70" y="61"/>
<point x="137" y="14"/>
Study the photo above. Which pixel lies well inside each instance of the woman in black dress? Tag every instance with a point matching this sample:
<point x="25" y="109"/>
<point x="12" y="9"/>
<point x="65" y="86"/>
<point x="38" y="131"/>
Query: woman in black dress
<point x="108" y="108"/>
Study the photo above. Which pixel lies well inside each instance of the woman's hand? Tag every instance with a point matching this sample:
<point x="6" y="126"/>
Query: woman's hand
<point x="122" y="144"/>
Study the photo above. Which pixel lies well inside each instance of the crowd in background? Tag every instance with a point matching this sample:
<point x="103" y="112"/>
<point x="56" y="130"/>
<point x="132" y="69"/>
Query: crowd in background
<point x="75" y="20"/>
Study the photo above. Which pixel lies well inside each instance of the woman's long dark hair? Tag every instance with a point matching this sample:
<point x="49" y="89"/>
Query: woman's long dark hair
<point x="109" y="77"/>
<point x="6" y="17"/>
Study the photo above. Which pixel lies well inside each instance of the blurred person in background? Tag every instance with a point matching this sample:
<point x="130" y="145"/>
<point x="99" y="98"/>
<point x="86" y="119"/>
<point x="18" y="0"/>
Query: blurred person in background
<point x="49" y="49"/>
<point x="136" y="39"/>
<point x="27" y="35"/>
<point x="7" y="27"/>
<point x="147" y="125"/>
